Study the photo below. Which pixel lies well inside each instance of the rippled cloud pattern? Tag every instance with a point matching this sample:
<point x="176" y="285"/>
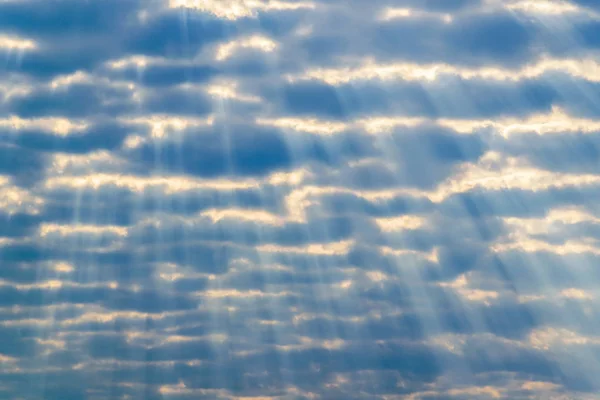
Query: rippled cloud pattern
<point x="299" y="199"/>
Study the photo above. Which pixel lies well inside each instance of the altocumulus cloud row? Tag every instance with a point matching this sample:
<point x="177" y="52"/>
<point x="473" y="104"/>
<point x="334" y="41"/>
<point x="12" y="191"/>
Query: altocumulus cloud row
<point x="281" y="199"/>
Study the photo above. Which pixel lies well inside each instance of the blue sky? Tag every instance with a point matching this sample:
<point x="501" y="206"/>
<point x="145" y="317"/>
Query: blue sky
<point x="299" y="199"/>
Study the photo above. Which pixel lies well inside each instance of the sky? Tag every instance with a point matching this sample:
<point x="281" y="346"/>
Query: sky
<point x="299" y="199"/>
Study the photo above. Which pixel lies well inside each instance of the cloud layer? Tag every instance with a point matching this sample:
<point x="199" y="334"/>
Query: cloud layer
<point x="281" y="199"/>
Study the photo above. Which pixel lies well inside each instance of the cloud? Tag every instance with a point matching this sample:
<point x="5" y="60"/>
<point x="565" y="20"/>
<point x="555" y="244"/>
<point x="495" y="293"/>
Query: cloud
<point x="435" y="99"/>
<point x="163" y="75"/>
<point x="294" y="199"/>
